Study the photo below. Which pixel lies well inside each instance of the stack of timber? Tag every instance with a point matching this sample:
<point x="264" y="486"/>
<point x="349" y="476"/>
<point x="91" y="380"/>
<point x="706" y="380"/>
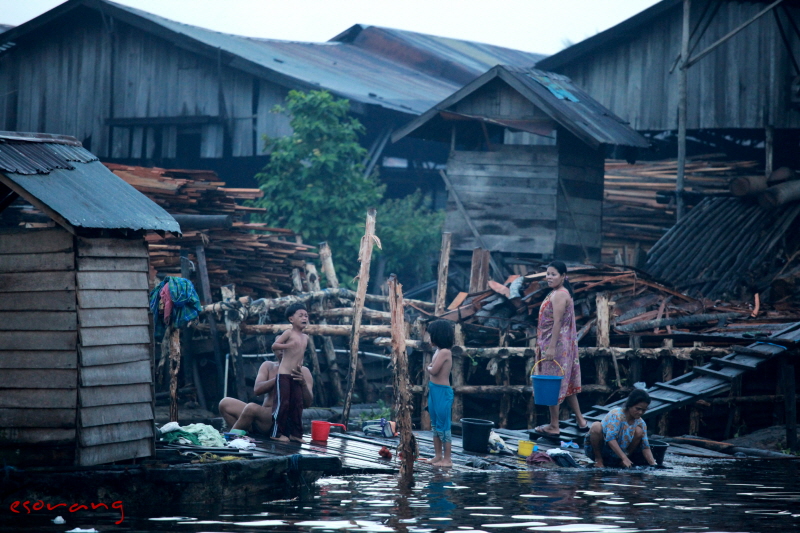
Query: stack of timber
<point x="256" y="258"/>
<point x="507" y="313"/>
<point x="639" y="201"/>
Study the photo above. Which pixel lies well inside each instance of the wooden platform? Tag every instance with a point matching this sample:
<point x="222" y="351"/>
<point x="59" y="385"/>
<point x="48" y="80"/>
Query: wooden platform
<point x="358" y="453"/>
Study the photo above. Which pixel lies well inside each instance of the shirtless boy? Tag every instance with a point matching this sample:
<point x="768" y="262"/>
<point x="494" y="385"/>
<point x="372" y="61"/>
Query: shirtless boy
<point x="251" y="416"/>
<point x="292" y="385"/>
<point x="440" y="394"/>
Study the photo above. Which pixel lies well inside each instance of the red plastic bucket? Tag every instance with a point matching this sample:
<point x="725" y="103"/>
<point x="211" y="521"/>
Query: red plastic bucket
<point x="320" y="430"/>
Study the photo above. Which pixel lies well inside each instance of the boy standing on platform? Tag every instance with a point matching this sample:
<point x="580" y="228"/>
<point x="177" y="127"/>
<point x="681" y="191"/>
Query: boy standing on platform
<point x="293" y="379"/>
<point x="440" y="394"/>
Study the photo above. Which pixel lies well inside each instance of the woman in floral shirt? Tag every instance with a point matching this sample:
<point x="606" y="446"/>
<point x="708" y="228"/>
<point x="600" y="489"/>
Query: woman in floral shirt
<point x="621" y="438"/>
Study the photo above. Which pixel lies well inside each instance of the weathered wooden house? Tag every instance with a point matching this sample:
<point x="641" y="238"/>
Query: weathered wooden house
<point x="743" y="92"/>
<point x="139" y="89"/>
<point x="76" y="384"/>
<point x="539" y="193"/>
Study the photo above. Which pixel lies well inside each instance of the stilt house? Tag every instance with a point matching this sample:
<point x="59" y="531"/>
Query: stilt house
<point x="525" y="169"/>
<point x="76" y="384"/>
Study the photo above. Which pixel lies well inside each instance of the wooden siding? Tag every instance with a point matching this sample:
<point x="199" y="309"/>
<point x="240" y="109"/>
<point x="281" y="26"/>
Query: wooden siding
<point x="115" y="396"/>
<point x="580" y="216"/>
<point x="510" y="195"/>
<point x="38" y="338"/>
<point x="74" y="78"/>
<point x="742" y="84"/>
<point x="498" y="100"/>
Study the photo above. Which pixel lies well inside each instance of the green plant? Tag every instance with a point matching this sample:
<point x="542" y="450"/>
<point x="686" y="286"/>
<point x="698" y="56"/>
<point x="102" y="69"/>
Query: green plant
<point x="383" y="411"/>
<point x="314" y="182"/>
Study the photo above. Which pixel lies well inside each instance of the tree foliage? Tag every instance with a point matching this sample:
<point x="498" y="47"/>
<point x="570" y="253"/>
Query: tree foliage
<point x="315" y="185"/>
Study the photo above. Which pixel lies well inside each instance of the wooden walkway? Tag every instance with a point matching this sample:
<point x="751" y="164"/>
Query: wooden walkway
<point x="702" y="382"/>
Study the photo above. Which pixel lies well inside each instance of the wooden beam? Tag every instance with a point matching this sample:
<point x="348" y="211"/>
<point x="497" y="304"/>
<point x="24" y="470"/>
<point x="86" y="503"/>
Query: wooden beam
<point x="326" y="262"/>
<point x="444" y="268"/>
<point x="682" y="109"/>
<point x="402" y="393"/>
<point x="365" y="258"/>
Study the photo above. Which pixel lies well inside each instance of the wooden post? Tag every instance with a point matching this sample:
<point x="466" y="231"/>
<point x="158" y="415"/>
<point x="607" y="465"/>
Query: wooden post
<point x="365" y="257"/>
<point x="458" y="375"/>
<point x="695" y="418"/>
<point x="174" y="366"/>
<point x="503" y="378"/>
<point x="733" y="410"/>
<point x="419" y="330"/>
<point x="531" y="410"/>
<point x="234" y="341"/>
<point x="682" y="104"/>
<point x="402" y="388"/>
<point x="603" y="336"/>
<point x="320" y="398"/>
<point x="205" y="290"/>
<point x="444" y="268"/>
<point x="312" y="277"/>
<point x="326" y="262"/>
<point x="186" y="338"/>
<point x="666" y="375"/>
<point x="790" y="400"/>
<point x="297" y="281"/>
<point x="479" y="272"/>
<point x="635" y="342"/>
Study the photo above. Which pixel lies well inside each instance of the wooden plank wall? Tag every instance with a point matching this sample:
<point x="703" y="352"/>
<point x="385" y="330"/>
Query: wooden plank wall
<point x="509" y="194"/>
<point x="742" y="84"/>
<point x="38" y="337"/>
<point x="115" y="420"/>
<point x="581" y="171"/>
<point x="64" y="82"/>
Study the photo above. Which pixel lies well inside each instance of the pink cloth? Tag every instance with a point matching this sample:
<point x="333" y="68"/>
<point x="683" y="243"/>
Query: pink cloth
<point x="566" y="349"/>
<point x="167" y="301"/>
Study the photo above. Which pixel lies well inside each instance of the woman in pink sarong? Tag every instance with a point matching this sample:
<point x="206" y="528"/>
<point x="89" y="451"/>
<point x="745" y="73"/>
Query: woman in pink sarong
<point x="558" y="341"/>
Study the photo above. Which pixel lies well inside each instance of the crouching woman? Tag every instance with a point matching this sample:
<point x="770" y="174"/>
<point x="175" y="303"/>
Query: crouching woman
<point x="621" y="438"/>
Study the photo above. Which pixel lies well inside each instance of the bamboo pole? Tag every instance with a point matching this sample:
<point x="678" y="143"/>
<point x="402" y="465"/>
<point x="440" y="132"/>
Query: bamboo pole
<point x="326" y="262"/>
<point x="444" y="268"/>
<point x="402" y="394"/>
<point x="364" y="257"/>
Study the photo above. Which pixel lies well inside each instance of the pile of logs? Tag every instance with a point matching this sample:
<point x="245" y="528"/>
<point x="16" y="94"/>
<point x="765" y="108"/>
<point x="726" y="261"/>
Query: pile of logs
<point x="639" y="202"/>
<point x="778" y="189"/>
<point x="258" y="259"/>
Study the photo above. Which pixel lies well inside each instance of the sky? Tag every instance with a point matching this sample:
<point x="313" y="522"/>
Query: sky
<point x="542" y="26"/>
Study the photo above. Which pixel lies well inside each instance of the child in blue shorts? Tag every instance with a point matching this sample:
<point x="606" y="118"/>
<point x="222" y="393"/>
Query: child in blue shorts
<point x="440" y="394"/>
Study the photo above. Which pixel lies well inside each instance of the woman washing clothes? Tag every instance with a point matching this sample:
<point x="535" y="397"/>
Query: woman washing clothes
<point x="558" y="341"/>
<point x="621" y="438"/>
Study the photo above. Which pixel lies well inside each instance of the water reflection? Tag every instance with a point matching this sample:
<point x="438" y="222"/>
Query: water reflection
<point x="722" y="497"/>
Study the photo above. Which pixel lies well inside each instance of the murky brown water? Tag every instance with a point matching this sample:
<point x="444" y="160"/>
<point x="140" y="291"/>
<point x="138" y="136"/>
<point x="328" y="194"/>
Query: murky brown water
<point x="755" y="496"/>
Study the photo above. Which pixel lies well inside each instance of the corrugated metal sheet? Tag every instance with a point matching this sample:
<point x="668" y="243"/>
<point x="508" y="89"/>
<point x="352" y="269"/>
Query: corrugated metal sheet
<point x="90" y="196"/>
<point x="722" y="246"/>
<point x="40" y="157"/>
<point x="569" y="104"/>
<point x="362" y="71"/>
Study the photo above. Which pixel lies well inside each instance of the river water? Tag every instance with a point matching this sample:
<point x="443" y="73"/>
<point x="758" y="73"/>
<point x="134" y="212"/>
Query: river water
<point x="723" y="496"/>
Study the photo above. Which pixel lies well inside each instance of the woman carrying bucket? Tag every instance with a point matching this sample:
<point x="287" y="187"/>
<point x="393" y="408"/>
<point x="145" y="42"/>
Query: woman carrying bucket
<point x="557" y="352"/>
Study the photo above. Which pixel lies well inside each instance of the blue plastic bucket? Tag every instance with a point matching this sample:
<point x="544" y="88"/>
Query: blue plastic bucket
<point x="546" y="388"/>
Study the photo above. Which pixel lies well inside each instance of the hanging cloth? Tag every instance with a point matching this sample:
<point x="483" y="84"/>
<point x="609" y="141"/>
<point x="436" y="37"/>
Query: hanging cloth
<point x="185" y="304"/>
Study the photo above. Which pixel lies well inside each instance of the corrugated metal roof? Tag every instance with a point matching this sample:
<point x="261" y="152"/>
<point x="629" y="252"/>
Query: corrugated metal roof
<point x="40" y="158"/>
<point x="574" y="109"/>
<point x="72" y="182"/>
<point x="399" y="70"/>
<point x="556" y="95"/>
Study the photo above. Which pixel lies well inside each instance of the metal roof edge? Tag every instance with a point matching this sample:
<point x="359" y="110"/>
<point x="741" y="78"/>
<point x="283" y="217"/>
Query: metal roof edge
<point x="610" y="36"/>
<point x="39" y="138"/>
<point x="37" y="22"/>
